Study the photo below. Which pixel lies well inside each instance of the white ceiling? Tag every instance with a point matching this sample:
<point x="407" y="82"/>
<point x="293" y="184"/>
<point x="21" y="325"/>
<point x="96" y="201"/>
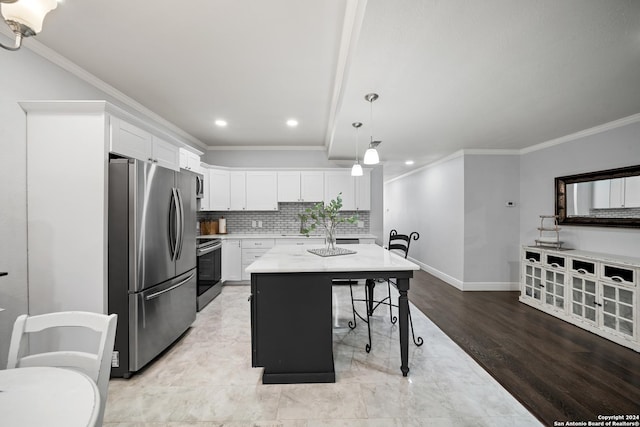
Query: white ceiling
<point x="491" y="74"/>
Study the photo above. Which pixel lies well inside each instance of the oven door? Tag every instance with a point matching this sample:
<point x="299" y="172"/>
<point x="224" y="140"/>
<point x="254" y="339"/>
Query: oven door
<point x="209" y="274"/>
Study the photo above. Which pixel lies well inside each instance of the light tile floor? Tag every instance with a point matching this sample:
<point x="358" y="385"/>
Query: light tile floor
<point x="206" y="379"/>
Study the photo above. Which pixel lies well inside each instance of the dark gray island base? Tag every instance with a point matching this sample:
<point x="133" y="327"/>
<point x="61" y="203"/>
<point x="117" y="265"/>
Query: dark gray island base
<point x="291" y="323"/>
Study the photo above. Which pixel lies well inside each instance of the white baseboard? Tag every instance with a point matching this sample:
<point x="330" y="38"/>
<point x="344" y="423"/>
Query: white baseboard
<point x="467" y="286"/>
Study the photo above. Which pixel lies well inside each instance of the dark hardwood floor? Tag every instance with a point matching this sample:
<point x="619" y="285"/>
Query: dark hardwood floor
<point x="557" y="370"/>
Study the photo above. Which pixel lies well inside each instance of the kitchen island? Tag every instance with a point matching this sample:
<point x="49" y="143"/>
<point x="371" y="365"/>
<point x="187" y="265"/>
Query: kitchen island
<point x="291" y="308"/>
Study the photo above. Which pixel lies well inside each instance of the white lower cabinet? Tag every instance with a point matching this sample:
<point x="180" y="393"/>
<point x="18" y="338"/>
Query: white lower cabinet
<point x="252" y="249"/>
<point x="231" y="260"/>
<point x="597" y="292"/>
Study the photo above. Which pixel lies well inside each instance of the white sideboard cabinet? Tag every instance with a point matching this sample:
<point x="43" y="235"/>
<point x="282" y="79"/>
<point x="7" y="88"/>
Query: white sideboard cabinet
<point x="595" y="291"/>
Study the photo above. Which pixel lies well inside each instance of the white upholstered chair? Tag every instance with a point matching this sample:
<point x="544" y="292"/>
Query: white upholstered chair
<point x="97" y="365"/>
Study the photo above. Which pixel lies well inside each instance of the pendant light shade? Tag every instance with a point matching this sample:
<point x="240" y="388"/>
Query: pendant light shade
<point x="371" y="155"/>
<point x="356" y="170"/>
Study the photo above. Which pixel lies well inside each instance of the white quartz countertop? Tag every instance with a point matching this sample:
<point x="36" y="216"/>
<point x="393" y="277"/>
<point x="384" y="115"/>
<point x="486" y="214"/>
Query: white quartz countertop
<point x="282" y="236"/>
<point x="296" y="259"/>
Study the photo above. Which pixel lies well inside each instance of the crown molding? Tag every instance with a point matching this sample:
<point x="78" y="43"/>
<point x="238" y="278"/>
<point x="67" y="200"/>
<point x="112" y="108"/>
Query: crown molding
<point x="583" y="133"/>
<point x="265" y="148"/>
<point x="52" y="56"/>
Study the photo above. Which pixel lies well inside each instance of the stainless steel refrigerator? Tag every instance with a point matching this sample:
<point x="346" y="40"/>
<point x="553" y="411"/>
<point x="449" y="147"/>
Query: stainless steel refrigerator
<point x="152" y="259"/>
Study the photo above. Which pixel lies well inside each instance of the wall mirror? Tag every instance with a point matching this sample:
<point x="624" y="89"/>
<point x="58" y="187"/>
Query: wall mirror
<point x="609" y="198"/>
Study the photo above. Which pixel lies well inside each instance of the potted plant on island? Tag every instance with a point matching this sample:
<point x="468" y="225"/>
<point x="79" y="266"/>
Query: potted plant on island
<point x="325" y="217"/>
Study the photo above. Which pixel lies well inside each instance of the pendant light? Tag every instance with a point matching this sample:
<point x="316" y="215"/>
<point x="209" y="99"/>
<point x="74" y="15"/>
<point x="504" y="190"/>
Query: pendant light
<point x="371" y="155"/>
<point x="25" y="17"/>
<point x="356" y="170"/>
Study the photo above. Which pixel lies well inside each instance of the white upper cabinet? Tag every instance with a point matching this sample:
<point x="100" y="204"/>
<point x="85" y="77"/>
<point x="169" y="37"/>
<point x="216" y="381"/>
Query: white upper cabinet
<point x="262" y="190"/>
<point x="312" y="186"/>
<point x="189" y="161"/>
<point x="204" y="201"/>
<point x="237" y="191"/>
<point x="632" y="192"/>
<point x="336" y="182"/>
<point x="131" y="141"/>
<point x="300" y="186"/>
<point x="219" y="190"/>
<point x="164" y="153"/>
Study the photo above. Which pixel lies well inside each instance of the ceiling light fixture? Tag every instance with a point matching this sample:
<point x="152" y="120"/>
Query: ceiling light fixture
<point x="25" y="17"/>
<point x="371" y="155"/>
<point x="221" y="123"/>
<point x="356" y="170"/>
<point x="408" y="162"/>
<point x="292" y="123"/>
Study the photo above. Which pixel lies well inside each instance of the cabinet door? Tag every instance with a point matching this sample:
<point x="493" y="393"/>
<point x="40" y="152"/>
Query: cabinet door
<point x="632" y="192"/>
<point x="237" y="191"/>
<point x="262" y="191"/>
<point x="336" y="182"/>
<point x="583" y="299"/>
<point x="129" y="140"/>
<point x="189" y="161"/>
<point x="363" y="190"/>
<point x="554" y="289"/>
<point x="616" y="194"/>
<point x="231" y="260"/>
<point x="289" y="186"/>
<point x="204" y="200"/>
<point x="311" y="186"/>
<point x="532" y="281"/>
<point x="218" y="190"/>
<point x="165" y="154"/>
<point x="618" y="308"/>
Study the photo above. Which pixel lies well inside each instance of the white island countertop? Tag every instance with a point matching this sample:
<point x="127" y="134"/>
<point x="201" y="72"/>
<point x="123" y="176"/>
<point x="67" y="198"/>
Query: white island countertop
<point x="296" y="259"/>
<point x="281" y="236"/>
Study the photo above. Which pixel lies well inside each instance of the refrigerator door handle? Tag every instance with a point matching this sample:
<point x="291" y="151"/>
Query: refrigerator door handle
<point x="164" y="291"/>
<point x="180" y="239"/>
<point x="174" y="226"/>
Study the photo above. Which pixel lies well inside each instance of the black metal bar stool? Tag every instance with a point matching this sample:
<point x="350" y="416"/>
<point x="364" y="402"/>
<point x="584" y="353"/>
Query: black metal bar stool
<point x="400" y="244"/>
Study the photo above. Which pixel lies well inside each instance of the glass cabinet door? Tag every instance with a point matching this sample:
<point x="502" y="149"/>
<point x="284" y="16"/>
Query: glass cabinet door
<point x="533" y="282"/>
<point x="583" y="298"/>
<point x="554" y="288"/>
<point x="617" y="309"/>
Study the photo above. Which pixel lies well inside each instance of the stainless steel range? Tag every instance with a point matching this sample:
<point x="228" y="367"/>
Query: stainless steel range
<point x="209" y="251"/>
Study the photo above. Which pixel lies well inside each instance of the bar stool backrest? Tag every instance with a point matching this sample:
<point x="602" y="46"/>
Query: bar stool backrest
<point x="400" y="242"/>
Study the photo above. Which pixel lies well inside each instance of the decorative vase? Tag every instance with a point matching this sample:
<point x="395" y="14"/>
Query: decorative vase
<point x="330" y="236"/>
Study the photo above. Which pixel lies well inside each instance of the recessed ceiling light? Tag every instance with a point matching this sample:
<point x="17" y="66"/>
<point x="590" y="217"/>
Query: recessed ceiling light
<point x="292" y="123"/>
<point x="408" y="162"/>
<point x="221" y="123"/>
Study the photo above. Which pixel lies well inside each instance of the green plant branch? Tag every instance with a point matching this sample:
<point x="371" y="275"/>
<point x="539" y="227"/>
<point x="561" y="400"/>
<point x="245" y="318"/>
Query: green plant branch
<point x="325" y="216"/>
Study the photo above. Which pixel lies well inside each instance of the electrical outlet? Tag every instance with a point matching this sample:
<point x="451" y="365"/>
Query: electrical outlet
<point x="360" y="224"/>
<point x="253" y="224"/>
<point x="259" y="224"/>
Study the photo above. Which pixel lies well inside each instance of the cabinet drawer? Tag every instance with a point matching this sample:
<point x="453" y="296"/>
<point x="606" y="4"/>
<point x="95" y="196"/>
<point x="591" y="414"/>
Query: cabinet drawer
<point x="300" y="242"/>
<point x="250" y="255"/>
<point x="533" y="256"/>
<point x="582" y="267"/>
<point x="618" y="274"/>
<point x="555" y="261"/>
<point x="258" y="243"/>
